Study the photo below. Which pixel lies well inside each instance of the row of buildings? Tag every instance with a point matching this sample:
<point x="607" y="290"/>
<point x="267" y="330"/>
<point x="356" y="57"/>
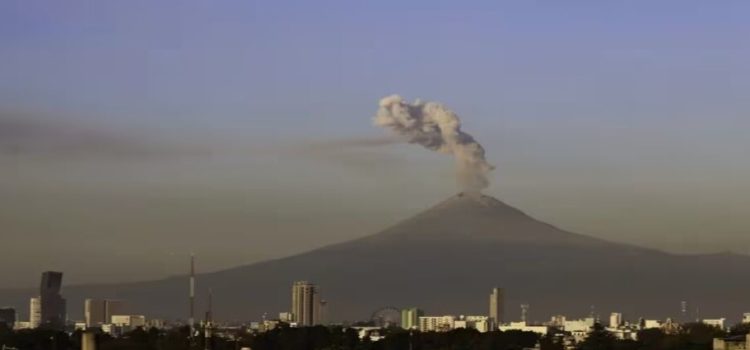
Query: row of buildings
<point x="49" y="310"/>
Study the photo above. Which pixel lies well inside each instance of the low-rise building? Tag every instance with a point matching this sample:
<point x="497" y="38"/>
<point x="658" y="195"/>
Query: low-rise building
<point x="583" y="325"/>
<point x="741" y="342"/>
<point x="22" y="325"/>
<point x="522" y="326"/>
<point x="649" y="324"/>
<point x="715" y="322"/>
<point x="436" y="323"/>
<point x="480" y="323"/>
<point x="132" y="321"/>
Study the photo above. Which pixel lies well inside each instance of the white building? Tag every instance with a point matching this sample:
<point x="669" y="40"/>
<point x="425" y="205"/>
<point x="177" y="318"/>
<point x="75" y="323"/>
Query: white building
<point x="369" y="332"/>
<point x="286" y="317"/>
<point x="436" y="323"/>
<point x="615" y="320"/>
<point x="579" y="329"/>
<point x="35" y="312"/>
<point x="739" y="342"/>
<point x="557" y="321"/>
<point x="480" y="323"/>
<point x="716" y="322"/>
<point x="648" y="324"/>
<point x="22" y="325"/>
<point x="109" y="329"/>
<point x="583" y="325"/>
<point x="522" y="326"/>
<point x="132" y="321"/>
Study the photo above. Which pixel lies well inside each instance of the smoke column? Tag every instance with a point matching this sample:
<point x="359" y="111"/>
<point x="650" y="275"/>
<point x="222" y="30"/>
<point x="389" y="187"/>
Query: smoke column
<point x="435" y="127"/>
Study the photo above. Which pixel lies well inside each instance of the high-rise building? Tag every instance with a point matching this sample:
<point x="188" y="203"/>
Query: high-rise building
<point x="615" y="320"/>
<point x="52" y="303"/>
<point x="496" y="306"/>
<point x="100" y="311"/>
<point x="8" y="316"/>
<point x="35" y="312"/>
<point x="410" y="318"/>
<point x="304" y="299"/>
<point x="94" y="311"/>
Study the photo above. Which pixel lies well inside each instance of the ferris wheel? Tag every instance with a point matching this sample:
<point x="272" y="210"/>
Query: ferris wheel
<point x="386" y="317"/>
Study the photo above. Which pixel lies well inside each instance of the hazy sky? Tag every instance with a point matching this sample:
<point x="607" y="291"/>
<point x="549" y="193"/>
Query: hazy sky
<point x="134" y="132"/>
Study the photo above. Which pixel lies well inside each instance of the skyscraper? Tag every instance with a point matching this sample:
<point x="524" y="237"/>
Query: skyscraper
<point x="496" y="306"/>
<point x="304" y="299"/>
<point x="100" y="311"/>
<point x="410" y="318"/>
<point x="94" y="311"/>
<point x="35" y="312"/>
<point x="52" y="303"/>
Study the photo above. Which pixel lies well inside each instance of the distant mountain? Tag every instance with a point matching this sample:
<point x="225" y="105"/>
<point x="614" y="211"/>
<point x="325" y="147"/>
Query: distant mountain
<point x="445" y="261"/>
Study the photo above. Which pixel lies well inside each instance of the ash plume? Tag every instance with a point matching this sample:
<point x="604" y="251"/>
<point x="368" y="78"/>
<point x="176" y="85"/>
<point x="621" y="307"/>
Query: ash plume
<point x="437" y="128"/>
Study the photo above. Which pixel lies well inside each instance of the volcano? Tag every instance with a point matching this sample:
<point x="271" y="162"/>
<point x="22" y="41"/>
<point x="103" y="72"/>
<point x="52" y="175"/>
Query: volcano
<point x="445" y="260"/>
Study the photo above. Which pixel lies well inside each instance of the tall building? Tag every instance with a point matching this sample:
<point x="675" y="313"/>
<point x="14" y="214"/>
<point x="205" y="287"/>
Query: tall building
<point x="99" y="311"/>
<point x="94" y="312"/>
<point x="410" y="318"/>
<point x="615" y="320"/>
<point x="496" y="306"/>
<point x="35" y="312"/>
<point x="8" y="316"/>
<point x="304" y="299"/>
<point x="113" y="307"/>
<point x="52" y="303"/>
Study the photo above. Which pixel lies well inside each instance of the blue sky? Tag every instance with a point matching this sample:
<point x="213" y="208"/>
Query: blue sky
<point x="621" y="119"/>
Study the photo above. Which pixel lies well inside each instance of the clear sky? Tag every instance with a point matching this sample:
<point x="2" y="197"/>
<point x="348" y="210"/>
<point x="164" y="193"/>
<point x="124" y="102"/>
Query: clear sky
<point x="134" y="132"/>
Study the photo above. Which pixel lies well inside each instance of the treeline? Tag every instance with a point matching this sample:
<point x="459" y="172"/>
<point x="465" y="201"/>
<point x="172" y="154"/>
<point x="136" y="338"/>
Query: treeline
<point x="690" y="337"/>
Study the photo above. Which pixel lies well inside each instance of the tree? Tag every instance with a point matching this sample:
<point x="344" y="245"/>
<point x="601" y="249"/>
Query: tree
<point x="598" y="339"/>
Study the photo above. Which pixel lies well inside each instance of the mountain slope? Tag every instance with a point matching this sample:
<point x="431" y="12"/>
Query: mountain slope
<point x="446" y="260"/>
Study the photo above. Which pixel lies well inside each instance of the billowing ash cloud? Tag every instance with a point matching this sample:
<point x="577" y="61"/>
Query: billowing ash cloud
<point x="437" y="128"/>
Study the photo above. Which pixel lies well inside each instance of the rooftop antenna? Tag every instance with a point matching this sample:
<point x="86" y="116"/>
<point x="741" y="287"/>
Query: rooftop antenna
<point x="524" y="312"/>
